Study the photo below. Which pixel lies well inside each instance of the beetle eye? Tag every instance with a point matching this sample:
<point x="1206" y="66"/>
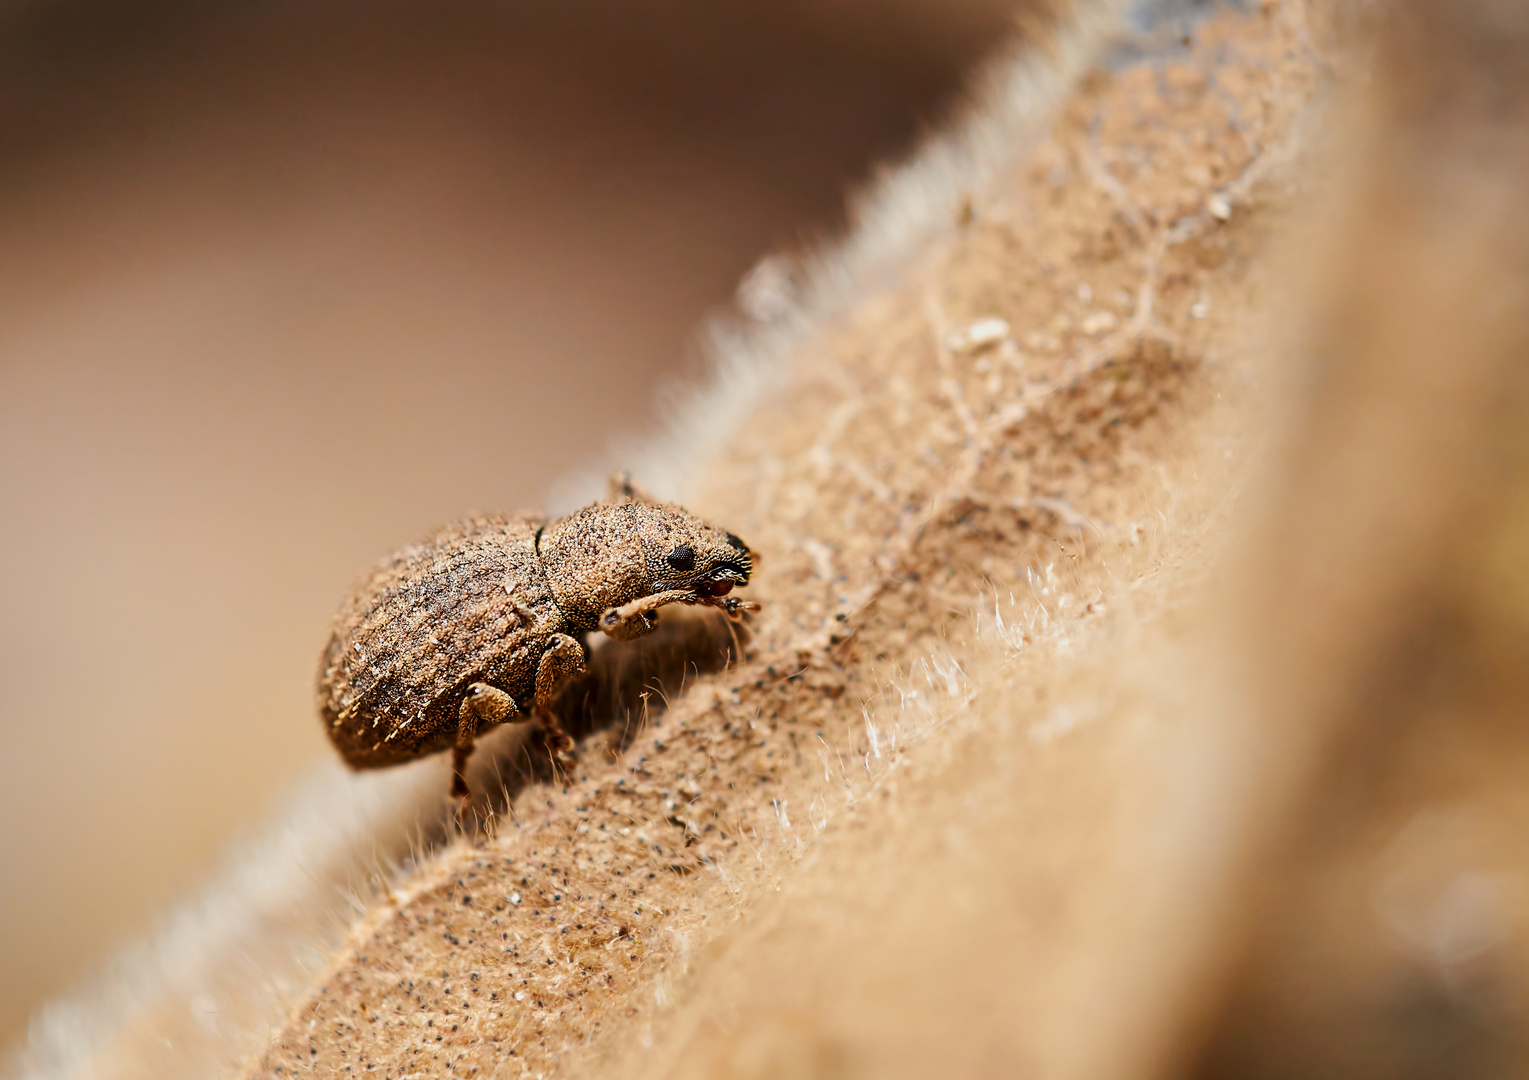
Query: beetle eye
<point x="681" y="558"/>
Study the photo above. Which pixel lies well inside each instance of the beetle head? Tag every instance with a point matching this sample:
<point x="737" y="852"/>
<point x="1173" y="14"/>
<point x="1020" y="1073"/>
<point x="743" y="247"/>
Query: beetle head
<point x="684" y="552"/>
<point x="611" y="554"/>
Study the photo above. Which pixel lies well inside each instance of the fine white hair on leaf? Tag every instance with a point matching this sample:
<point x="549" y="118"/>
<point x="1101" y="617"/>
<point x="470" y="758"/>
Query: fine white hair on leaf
<point x="895" y="216"/>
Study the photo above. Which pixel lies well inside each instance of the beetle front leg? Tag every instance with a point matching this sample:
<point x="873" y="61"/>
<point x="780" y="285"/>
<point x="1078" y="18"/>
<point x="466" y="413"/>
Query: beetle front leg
<point x="563" y="660"/>
<point x="639" y="617"/>
<point x="482" y="707"/>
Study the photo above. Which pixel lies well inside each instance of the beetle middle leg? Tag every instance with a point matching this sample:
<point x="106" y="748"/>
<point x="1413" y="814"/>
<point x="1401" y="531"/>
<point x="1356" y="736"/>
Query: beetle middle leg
<point x="563" y="660"/>
<point x="621" y="488"/>
<point x="482" y="707"/>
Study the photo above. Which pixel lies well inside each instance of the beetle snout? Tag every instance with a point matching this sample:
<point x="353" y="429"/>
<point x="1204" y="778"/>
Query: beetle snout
<point x="732" y="572"/>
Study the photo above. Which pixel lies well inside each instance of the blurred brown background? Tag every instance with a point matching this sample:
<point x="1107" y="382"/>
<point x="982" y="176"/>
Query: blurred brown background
<point x="281" y="287"/>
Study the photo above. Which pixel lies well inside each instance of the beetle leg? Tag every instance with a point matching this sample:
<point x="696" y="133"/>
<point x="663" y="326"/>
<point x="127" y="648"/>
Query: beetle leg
<point x="621" y="488"/>
<point x="563" y="660"/>
<point x="482" y="706"/>
<point x="637" y="618"/>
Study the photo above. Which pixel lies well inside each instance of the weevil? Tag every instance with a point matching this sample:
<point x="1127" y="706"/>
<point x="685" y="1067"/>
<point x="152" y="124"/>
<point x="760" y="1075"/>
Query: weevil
<point x="483" y="622"/>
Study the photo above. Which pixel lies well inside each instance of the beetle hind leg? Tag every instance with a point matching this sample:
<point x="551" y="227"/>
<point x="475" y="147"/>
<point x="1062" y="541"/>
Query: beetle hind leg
<point x="482" y="707"/>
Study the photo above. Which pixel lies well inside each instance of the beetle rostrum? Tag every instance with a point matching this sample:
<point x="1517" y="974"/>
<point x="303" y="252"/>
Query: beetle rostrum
<point x="484" y="621"/>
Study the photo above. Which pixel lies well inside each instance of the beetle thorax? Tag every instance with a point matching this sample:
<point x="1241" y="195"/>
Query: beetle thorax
<point x="595" y="559"/>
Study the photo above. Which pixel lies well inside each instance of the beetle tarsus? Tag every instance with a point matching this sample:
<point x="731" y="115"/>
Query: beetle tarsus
<point x="733" y="606"/>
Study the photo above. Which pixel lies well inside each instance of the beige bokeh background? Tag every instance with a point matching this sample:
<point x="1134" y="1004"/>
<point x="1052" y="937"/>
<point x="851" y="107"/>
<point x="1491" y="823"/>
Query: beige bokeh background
<point x="282" y="288"/>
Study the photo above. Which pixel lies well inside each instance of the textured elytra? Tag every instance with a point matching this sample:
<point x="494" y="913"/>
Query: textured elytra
<point x="492" y="602"/>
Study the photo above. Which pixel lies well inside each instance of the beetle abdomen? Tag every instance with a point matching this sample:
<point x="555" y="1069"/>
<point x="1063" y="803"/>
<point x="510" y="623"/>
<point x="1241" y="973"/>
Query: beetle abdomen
<point x="465" y="605"/>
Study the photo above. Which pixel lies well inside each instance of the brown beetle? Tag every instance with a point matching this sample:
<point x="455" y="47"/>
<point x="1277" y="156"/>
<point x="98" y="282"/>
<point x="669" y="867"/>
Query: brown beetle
<point x="482" y="622"/>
